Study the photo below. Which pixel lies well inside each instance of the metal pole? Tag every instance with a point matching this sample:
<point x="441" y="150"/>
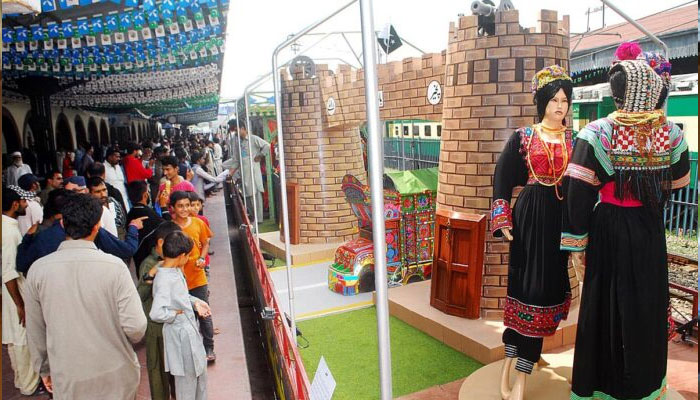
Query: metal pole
<point x="254" y="189"/>
<point x="351" y="49"/>
<point x="637" y="25"/>
<point x="240" y="155"/>
<point x="283" y="168"/>
<point x="376" y="172"/>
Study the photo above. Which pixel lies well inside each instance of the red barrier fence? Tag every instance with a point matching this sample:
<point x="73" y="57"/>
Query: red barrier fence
<point x="290" y="375"/>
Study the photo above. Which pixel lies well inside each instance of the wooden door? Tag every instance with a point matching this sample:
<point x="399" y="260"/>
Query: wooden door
<point x="458" y="263"/>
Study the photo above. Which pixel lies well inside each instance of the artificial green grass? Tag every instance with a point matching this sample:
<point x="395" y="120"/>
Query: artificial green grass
<point x="268" y="225"/>
<point x="348" y="342"/>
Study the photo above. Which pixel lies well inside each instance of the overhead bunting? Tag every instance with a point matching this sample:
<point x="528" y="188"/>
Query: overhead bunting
<point x="157" y="56"/>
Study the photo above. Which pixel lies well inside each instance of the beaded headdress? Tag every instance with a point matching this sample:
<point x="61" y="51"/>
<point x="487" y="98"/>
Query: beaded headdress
<point x="660" y="65"/>
<point x="548" y="75"/>
<point x="643" y="86"/>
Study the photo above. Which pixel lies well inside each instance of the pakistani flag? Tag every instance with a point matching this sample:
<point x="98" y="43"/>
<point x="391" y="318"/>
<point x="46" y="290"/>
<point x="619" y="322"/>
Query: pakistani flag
<point x="388" y="39"/>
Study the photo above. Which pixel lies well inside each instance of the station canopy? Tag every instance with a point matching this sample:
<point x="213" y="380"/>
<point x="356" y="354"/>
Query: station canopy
<point x="157" y="59"/>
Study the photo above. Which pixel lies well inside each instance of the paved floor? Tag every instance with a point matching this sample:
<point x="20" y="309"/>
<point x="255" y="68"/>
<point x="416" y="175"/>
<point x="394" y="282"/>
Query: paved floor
<point x="312" y="298"/>
<point x="228" y="377"/>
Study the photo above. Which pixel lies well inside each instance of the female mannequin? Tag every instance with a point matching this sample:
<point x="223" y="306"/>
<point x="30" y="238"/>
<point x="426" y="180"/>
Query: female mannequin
<point x="621" y="174"/>
<point x="539" y="295"/>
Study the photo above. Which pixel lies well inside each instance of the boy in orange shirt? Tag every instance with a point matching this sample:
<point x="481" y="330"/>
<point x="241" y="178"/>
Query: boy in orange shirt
<point x="196" y="278"/>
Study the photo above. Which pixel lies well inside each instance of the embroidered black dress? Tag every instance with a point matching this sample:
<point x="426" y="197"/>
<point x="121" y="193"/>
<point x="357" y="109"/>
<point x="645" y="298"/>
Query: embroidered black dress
<point x="621" y="342"/>
<point x="538" y="295"/>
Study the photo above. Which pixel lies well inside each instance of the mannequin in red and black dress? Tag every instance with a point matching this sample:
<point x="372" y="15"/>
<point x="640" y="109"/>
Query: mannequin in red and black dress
<point x="539" y="295"/>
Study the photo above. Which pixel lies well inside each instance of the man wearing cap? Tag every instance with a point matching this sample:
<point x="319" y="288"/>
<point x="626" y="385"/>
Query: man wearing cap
<point x="14" y="335"/>
<point x="35" y="212"/>
<point x="114" y="175"/>
<point x="17" y="169"/>
<point x="76" y="184"/>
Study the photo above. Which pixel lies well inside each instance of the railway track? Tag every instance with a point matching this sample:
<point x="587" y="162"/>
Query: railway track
<point x="684" y="299"/>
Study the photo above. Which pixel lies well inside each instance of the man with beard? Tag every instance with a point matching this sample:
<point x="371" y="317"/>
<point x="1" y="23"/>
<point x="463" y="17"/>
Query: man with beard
<point x="17" y="169"/>
<point x="14" y="204"/>
<point x="97" y="189"/>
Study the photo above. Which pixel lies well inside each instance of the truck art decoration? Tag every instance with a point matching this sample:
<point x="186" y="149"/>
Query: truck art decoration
<point x="409" y="212"/>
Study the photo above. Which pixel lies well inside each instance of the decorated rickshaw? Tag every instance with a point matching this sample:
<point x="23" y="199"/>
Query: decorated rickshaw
<point x="409" y="214"/>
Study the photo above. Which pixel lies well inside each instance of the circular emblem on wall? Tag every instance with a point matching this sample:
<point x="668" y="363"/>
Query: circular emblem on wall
<point x="172" y="119"/>
<point x="434" y="92"/>
<point x="303" y="65"/>
<point x="330" y="106"/>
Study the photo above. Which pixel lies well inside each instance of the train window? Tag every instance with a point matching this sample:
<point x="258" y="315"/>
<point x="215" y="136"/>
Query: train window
<point x="439" y="130"/>
<point x="416" y="130"/>
<point x="427" y="130"/>
<point x="405" y="131"/>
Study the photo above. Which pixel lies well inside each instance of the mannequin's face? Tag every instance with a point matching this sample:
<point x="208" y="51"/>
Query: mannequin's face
<point x="557" y="107"/>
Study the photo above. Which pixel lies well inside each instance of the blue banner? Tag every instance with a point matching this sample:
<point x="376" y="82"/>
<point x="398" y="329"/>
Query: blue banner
<point x="83" y="27"/>
<point x="138" y="18"/>
<point x="22" y="34"/>
<point x="37" y="32"/>
<point x="148" y="5"/>
<point x="111" y="22"/>
<point x="48" y="6"/>
<point x="7" y="35"/>
<point x="97" y="25"/>
<point x="67" y="29"/>
<point x="53" y="29"/>
<point x="125" y="20"/>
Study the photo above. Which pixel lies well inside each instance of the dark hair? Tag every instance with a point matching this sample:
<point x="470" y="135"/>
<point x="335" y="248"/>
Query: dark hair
<point x="618" y="85"/>
<point x="169" y="160"/>
<point x="177" y="196"/>
<point x="177" y="244"/>
<point x="132" y="146"/>
<point x="242" y="125"/>
<point x="662" y="98"/>
<point x="95" y="169"/>
<point x="216" y="140"/>
<point x="547" y="93"/>
<point x="80" y="215"/>
<point x="196" y="156"/>
<point x="180" y="153"/>
<point x="194" y="197"/>
<point x="50" y="174"/>
<point x="164" y="229"/>
<point x="94" y="181"/>
<point x="9" y="196"/>
<point x="159" y="150"/>
<point x="135" y="190"/>
<point x="57" y="200"/>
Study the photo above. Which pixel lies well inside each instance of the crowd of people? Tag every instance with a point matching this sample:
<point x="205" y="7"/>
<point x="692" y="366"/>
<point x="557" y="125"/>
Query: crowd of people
<point x="113" y="249"/>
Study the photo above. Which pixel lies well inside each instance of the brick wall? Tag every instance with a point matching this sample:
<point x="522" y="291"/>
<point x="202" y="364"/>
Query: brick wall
<point x="486" y="97"/>
<point x="317" y="158"/>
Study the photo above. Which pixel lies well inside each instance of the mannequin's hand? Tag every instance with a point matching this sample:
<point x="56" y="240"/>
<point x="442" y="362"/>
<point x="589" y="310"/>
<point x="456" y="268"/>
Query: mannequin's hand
<point x="578" y="260"/>
<point x="506" y="233"/>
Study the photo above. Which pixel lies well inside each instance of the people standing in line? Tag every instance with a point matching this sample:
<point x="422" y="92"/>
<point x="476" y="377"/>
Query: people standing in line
<point x="114" y="175"/>
<point x="68" y="161"/>
<point x="202" y="181"/>
<point x="185" y="356"/>
<point x="254" y="186"/>
<point x="539" y="293"/>
<point x="54" y="180"/>
<point x="15" y="170"/>
<point x="46" y="241"/>
<point x="195" y="274"/>
<point x="218" y="154"/>
<point x="134" y="169"/>
<point x="35" y="212"/>
<point x="154" y="181"/>
<point x="160" y="381"/>
<point x="14" y="204"/>
<point x="141" y="199"/>
<point x="105" y="318"/>
<point x="87" y="160"/>
<point x="117" y="204"/>
<point x="173" y="183"/>
<point x="98" y="190"/>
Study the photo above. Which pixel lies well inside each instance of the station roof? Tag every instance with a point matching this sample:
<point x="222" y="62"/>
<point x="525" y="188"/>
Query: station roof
<point x="677" y="27"/>
<point x="159" y="59"/>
